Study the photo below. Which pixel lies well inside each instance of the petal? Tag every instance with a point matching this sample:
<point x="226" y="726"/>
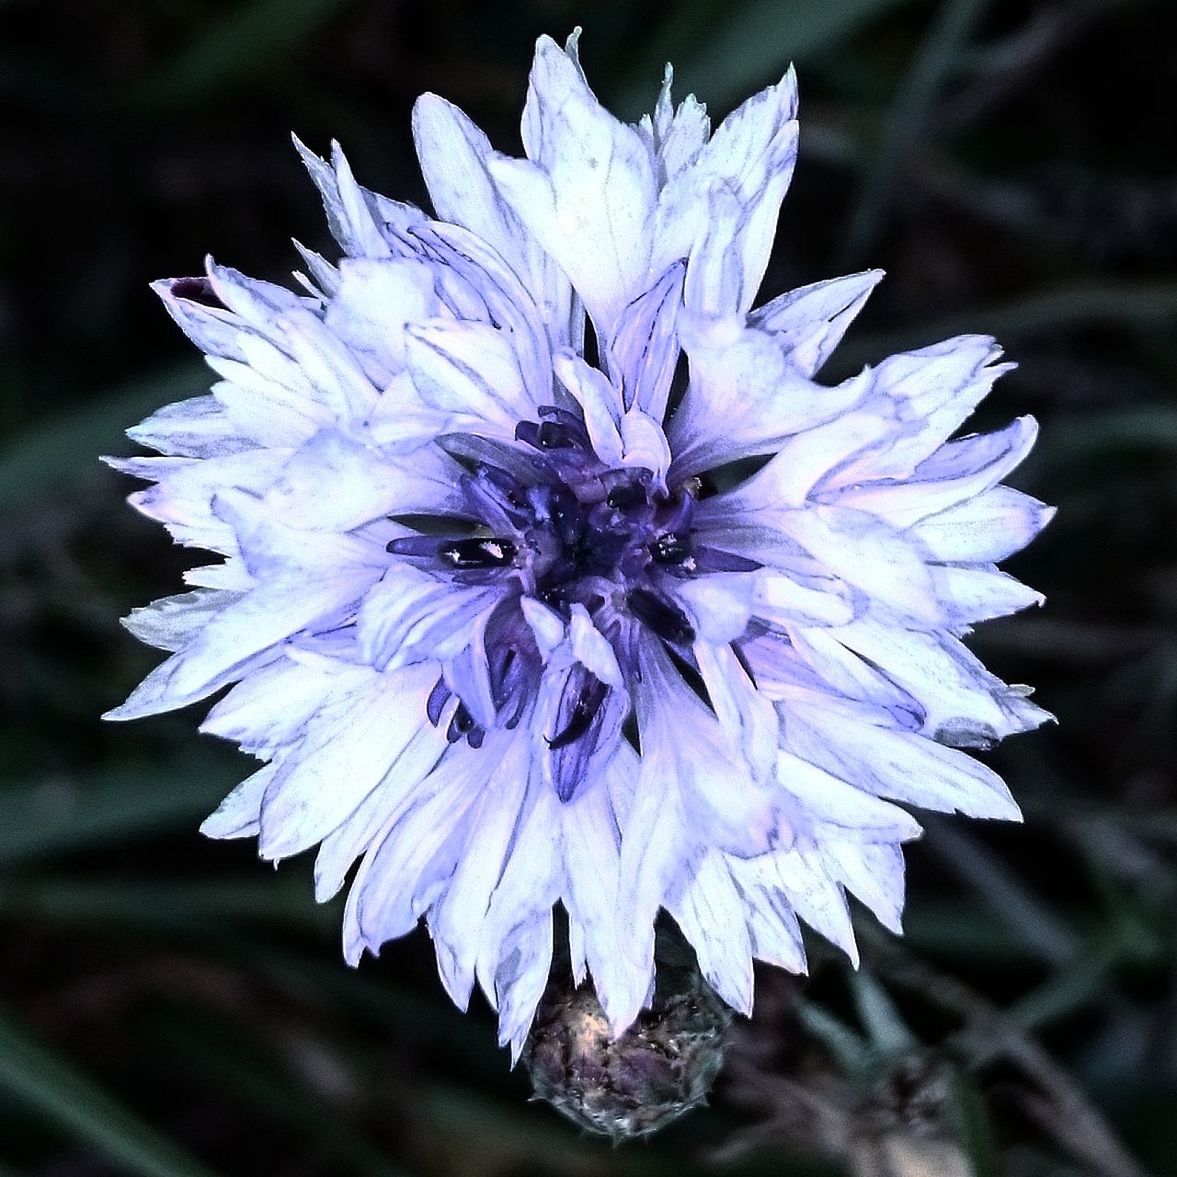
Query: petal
<point x="989" y="526"/>
<point x="355" y="215"/>
<point x="456" y="920"/>
<point x="904" y="766"/>
<point x="956" y="472"/>
<point x="775" y="401"/>
<point x="809" y="322"/>
<point x="645" y="349"/>
<point x="237" y="816"/>
<point x="588" y="193"/>
<point x="348" y="745"/>
<point x="412" y="616"/>
<point x="830" y="802"/>
<point x="927" y="393"/>
<point x="965" y="705"/>
<point x="455" y="157"/>
<point x="874" y="874"/>
<point x="374" y="302"/>
<point x="751" y="155"/>
<point x="365" y="484"/>
<point x="711" y="914"/>
<point x="196" y="428"/>
<point x="172" y="622"/>
<point x="977" y="594"/>
<point x="470" y="373"/>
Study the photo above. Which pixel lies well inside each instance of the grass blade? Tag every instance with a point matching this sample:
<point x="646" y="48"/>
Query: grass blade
<point x="36" y="1075"/>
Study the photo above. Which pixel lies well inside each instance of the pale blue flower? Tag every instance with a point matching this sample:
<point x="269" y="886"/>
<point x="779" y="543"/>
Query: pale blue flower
<point x="505" y="623"/>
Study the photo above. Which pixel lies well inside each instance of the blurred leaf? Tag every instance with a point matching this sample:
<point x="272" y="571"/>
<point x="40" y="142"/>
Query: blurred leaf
<point x="111" y="804"/>
<point x="880" y="1018"/>
<point x="50" y="457"/>
<point x="972" y="1126"/>
<point x="1011" y="900"/>
<point x="247" y="41"/>
<point x="906" y="121"/>
<point x="237" y="1060"/>
<point x="850" y="1050"/>
<point x="1068" y="990"/>
<point x="39" y="1077"/>
<point x="185" y="905"/>
<point x="1061" y="309"/>
<point x="745" y="45"/>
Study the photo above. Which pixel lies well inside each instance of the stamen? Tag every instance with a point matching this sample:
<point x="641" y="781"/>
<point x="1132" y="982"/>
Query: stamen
<point x="670" y="549"/>
<point x="586" y="703"/>
<point x="664" y="619"/>
<point x="461" y="724"/>
<point x="476" y="553"/>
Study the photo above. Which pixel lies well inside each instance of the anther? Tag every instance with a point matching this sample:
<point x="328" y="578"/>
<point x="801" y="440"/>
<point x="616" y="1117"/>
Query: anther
<point x="477" y="553"/>
<point x="664" y="619"/>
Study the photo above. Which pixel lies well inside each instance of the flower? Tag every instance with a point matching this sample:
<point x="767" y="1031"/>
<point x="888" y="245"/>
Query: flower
<point x="627" y="613"/>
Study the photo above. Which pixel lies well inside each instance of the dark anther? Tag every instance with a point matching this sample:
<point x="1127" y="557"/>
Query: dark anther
<point x="461" y="724"/>
<point x="195" y="290"/>
<point x="625" y="495"/>
<point x="664" y="619"/>
<point x="584" y="709"/>
<point x="477" y="553"/>
<point x="553" y="436"/>
<point x="670" y="549"/>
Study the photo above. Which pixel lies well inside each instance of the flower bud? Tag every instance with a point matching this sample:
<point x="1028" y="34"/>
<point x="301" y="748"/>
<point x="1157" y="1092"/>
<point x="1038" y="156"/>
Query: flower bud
<point x="636" y="1084"/>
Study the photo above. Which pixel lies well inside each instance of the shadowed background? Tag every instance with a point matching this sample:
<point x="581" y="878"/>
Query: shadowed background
<point x="168" y="1008"/>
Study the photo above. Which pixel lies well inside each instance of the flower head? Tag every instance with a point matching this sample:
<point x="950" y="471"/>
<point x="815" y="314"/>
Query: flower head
<point x="624" y="612"/>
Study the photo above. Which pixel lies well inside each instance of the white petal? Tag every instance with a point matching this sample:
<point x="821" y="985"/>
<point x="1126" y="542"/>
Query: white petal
<point x="353" y="213"/>
<point x="721" y="802"/>
<point x="196" y="428"/>
<point x="751" y="155"/>
<point x="348" y="745"/>
<point x="678" y="135"/>
<point x="965" y="704"/>
<point x="374" y="302"/>
<point x="588" y="195"/>
<point x="592" y="649"/>
<point x="470" y="371"/>
<point x="977" y="594"/>
<point x="456" y="919"/>
<point x="172" y="622"/>
<point x="816" y="897"/>
<point x="645" y="349"/>
<point x="904" y="766"/>
<point x="599" y="401"/>
<point x="927" y="393"/>
<point x="874" y="874"/>
<point x="809" y="322"/>
<point x="773" y="930"/>
<point x="411" y="861"/>
<point x="990" y="526"/>
<point x="711" y="914"/>
<point x="828" y="801"/>
<point x="956" y="472"/>
<point x="413" y="616"/>
<point x="237" y="815"/>
<point x="215" y="330"/>
<point x="746" y="715"/>
<point x="335" y="484"/>
<point x="775" y="401"/>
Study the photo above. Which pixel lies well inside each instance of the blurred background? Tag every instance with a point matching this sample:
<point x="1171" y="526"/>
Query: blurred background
<point x="168" y="1008"/>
